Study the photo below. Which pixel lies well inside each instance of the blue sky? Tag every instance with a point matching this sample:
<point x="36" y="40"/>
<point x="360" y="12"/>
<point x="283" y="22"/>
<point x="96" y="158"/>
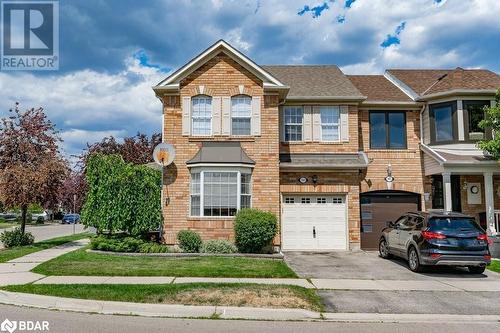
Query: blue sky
<point x="113" y="51"/>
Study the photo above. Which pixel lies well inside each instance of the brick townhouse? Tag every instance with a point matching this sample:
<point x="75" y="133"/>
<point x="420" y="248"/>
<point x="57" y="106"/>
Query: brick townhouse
<point x="333" y="156"/>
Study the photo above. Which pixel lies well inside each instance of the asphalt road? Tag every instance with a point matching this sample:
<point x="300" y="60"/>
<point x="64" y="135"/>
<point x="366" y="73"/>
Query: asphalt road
<point x="52" y="230"/>
<point x="63" y="322"/>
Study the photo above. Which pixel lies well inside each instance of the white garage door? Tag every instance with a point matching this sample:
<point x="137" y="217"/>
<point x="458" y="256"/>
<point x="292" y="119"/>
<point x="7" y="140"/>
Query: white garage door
<point x="314" y="222"/>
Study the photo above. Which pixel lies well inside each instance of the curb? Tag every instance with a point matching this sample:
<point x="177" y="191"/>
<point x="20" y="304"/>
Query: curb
<point x="222" y="312"/>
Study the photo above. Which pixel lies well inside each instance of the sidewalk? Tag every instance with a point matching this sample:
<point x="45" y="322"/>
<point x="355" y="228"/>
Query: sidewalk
<point x="222" y="312"/>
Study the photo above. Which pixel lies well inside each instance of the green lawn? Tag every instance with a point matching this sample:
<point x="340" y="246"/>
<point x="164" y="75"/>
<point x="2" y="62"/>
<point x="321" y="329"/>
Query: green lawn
<point x="81" y="262"/>
<point x="5" y="225"/>
<point x="16" y="252"/>
<point x="494" y="266"/>
<point x="188" y="294"/>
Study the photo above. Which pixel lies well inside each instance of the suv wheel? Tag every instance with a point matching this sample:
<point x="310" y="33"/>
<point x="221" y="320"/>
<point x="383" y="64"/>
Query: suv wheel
<point x="413" y="260"/>
<point x="383" y="250"/>
<point x="476" y="269"/>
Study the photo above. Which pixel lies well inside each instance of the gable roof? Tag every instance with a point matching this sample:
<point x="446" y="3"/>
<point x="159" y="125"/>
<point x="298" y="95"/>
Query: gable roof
<point x="378" y="89"/>
<point x="315" y="81"/>
<point x="425" y="83"/>
<point x="173" y="80"/>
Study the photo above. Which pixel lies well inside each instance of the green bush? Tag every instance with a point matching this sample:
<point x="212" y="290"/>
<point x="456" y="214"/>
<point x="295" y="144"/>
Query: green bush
<point x="218" y="246"/>
<point x="254" y="230"/>
<point x="16" y="238"/>
<point x="126" y="244"/>
<point x="121" y="196"/>
<point x="189" y="241"/>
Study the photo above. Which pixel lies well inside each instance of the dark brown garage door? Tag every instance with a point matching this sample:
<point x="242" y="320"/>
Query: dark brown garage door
<point x="378" y="208"/>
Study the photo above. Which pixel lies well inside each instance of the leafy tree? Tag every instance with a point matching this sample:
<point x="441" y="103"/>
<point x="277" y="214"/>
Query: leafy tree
<point x="31" y="168"/>
<point x="492" y="120"/>
<point x="121" y="196"/>
<point x="73" y="187"/>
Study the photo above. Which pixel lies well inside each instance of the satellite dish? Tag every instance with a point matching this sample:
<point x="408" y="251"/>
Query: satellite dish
<point x="164" y="154"/>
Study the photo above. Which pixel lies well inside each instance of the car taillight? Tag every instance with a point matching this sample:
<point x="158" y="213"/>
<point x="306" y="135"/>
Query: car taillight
<point x="484" y="237"/>
<point x="432" y="235"/>
<point x="487" y="257"/>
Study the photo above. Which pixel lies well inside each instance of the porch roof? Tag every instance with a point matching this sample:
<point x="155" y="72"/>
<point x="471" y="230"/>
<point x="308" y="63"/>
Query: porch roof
<point x="221" y="153"/>
<point x="357" y="160"/>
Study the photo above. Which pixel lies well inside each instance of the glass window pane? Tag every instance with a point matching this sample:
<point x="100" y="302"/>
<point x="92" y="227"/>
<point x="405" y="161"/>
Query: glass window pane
<point x="397" y="130"/>
<point x="195" y="205"/>
<point x="293" y="123"/>
<point x="201" y="115"/>
<point x="240" y="126"/>
<point x="443" y="123"/>
<point x="220" y="190"/>
<point x="475" y="112"/>
<point x="377" y="130"/>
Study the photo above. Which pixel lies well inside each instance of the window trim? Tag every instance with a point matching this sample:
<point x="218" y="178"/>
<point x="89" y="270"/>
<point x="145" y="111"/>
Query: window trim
<point x="387" y="132"/>
<point x="239" y="117"/>
<point x="487" y="131"/>
<point x="293" y="124"/>
<point x="329" y="124"/>
<point x="454" y="122"/>
<point x="192" y="117"/>
<point x="201" y="171"/>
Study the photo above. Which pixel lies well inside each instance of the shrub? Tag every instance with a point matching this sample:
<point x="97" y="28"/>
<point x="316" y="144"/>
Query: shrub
<point x="151" y="247"/>
<point x="254" y="229"/>
<point x="189" y="241"/>
<point x="16" y="238"/>
<point x="218" y="246"/>
<point x="126" y="244"/>
<point x="121" y="196"/>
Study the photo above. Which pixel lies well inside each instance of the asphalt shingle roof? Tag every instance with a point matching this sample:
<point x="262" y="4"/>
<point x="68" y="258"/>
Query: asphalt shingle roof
<point x="378" y="88"/>
<point x="314" y="81"/>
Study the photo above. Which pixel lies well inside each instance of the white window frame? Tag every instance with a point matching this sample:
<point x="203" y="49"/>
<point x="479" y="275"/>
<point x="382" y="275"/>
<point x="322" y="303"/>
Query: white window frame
<point x="234" y="116"/>
<point x="337" y="124"/>
<point x="285" y="124"/>
<point x="193" y="117"/>
<point x="202" y="170"/>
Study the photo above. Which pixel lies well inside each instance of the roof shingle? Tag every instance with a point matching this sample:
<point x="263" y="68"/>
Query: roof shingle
<point x="378" y="88"/>
<point x="314" y="81"/>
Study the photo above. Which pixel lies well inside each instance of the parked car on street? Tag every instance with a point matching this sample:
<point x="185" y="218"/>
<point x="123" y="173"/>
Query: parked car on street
<point x="40" y="216"/>
<point x="71" y="219"/>
<point x="9" y="216"/>
<point x="436" y="238"/>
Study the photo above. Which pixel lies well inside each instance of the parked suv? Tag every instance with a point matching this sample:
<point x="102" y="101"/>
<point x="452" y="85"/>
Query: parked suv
<point x="436" y="238"/>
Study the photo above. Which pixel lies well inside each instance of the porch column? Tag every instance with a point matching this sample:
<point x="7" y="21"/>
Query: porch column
<point x="447" y="191"/>
<point x="489" y="201"/>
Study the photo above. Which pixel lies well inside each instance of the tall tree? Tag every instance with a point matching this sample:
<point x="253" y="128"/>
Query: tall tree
<point x="492" y="120"/>
<point x="72" y="192"/>
<point x="31" y="168"/>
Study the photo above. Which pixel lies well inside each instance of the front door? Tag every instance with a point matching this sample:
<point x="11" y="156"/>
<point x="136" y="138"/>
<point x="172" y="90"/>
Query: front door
<point x="379" y="208"/>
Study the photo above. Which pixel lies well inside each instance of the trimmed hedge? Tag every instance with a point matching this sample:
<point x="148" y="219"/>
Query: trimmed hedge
<point x="126" y="244"/>
<point x="189" y="241"/>
<point x="254" y="230"/>
<point x="218" y="246"/>
<point x="15" y="237"/>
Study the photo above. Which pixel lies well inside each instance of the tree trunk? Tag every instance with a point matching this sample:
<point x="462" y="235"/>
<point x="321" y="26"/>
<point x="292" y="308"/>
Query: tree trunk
<point x="24" y="213"/>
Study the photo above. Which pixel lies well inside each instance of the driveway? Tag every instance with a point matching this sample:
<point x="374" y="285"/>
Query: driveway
<point x="363" y="282"/>
<point x="52" y="230"/>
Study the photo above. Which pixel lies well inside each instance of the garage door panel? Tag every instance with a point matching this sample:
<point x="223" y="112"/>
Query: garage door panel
<point x="322" y="213"/>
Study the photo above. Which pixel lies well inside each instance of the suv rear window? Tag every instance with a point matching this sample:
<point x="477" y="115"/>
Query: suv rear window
<point x="453" y="223"/>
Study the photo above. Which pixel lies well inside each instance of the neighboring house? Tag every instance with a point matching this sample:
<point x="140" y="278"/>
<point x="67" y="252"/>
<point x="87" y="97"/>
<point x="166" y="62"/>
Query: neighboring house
<point x="333" y="156"/>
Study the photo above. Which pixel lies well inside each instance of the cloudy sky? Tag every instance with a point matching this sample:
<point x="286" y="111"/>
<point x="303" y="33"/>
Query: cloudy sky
<point x="113" y="51"/>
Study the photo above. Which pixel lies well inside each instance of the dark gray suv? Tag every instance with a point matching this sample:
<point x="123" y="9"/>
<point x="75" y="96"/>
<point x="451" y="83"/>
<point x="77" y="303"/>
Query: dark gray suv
<point x="436" y="238"/>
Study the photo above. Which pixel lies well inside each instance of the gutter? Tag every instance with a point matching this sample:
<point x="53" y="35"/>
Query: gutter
<point x="457" y="92"/>
<point x="327" y="98"/>
<point x="433" y="153"/>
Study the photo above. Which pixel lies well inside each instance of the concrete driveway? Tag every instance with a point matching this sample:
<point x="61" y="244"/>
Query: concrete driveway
<point x="368" y="265"/>
<point x="365" y="283"/>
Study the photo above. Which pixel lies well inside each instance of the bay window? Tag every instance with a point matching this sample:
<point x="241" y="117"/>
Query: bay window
<point x="241" y="112"/>
<point x="201" y="115"/>
<point x="293" y="116"/>
<point x="474" y="113"/>
<point x="219" y="193"/>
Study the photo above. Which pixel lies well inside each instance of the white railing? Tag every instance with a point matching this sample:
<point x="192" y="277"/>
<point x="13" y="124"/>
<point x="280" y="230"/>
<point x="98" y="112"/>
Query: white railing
<point x="496" y="215"/>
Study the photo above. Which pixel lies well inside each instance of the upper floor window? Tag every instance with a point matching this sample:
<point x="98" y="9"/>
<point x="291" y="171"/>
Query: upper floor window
<point x="474" y="113"/>
<point x="443" y="122"/>
<point x="201" y="115"/>
<point x="241" y="111"/>
<point x="330" y="116"/>
<point x="387" y="130"/>
<point x="293" y="123"/>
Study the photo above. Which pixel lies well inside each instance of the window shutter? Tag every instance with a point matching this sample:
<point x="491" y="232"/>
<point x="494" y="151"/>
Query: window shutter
<point x="255" y="122"/>
<point x="308" y="123"/>
<point x="344" y="123"/>
<point x="186" y="115"/>
<point x="226" y="115"/>
<point x="281" y="114"/>
<point x="216" y="115"/>
<point x="316" y="125"/>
